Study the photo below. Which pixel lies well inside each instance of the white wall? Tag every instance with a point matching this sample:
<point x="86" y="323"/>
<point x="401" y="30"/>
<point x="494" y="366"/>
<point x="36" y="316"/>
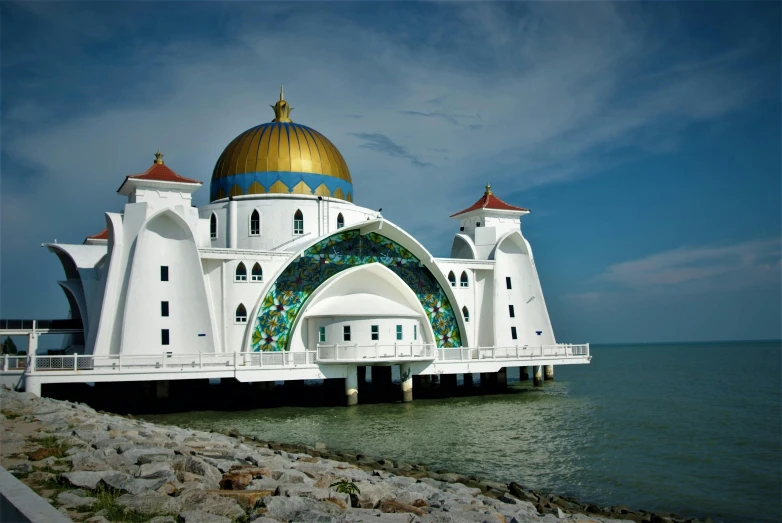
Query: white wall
<point x="361" y="330"/>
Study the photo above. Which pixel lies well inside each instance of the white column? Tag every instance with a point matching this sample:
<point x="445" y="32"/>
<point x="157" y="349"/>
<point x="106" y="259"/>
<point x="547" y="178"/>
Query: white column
<point x="32" y="384"/>
<point x="538" y="378"/>
<point x="233" y="228"/>
<point x="549" y="372"/>
<point x="406" y="382"/>
<point x="351" y="385"/>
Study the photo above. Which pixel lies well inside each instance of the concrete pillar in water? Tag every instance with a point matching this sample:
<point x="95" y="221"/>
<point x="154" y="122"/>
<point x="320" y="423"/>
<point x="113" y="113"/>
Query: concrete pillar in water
<point x="32" y="384"/>
<point x="406" y="382"/>
<point x="502" y="378"/>
<point x="538" y="379"/>
<point x="351" y="386"/>
<point x="523" y="374"/>
<point x="161" y="389"/>
<point x="468" y="380"/>
<point x="549" y="372"/>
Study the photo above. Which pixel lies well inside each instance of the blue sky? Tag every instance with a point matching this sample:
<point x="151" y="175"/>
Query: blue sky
<point x="644" y="137"/>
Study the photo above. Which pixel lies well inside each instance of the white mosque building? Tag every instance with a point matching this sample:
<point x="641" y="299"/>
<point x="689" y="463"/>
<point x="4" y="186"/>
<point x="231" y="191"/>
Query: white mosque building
<point x="283" y="277"/>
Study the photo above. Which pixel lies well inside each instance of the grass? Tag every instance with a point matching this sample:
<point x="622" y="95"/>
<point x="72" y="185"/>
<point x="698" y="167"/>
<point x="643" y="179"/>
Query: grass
<point x="50" y="446"/>
<point x="107" y="500"/>
<point x="9" y="414"/>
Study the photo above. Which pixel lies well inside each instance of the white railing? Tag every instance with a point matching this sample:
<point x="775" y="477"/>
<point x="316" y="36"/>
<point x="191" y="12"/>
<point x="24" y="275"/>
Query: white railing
<point x="229" y="362"/>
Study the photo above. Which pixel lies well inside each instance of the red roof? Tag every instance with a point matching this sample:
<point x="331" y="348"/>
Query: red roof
<point x="489" y="201"/>
<point x="160" y="172"/>
<point x="102" y="235"/>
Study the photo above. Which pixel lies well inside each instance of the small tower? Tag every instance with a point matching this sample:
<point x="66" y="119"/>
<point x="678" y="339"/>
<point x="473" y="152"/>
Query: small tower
<point x="485" y="222"/>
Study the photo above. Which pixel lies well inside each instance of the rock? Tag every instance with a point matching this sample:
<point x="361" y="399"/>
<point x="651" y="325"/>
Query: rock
<point x="235" y="480"/>
<point x="99" y="519"/>
<point x="158" y="469"/>
<point x="40" y="477"/>
<point x="396" y="507"/>
<point x="205" y="501"/>
<point x="248" y="499"/>
<point x="21" y="468"/>
<point x="87" y="461"/>
<point x="75" y="498"/>
<point x="162" y="519"/>
<point x="151" y="503"/>
<point x="133" y="455"/>
<point x="127" y="483"/>
<point x="169" y="489"/>
<point x="197" y="516"/>
<point x="299" y="509"/>
<point x="195" y="465"/>
<point x="86" y="479"/>
<point x="291" y="476"/>
<point x="560" y="514"/>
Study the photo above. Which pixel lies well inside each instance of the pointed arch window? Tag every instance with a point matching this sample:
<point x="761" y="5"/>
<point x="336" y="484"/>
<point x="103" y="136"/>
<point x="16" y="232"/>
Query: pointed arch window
<point x="255" y="223"/>
<point x="241" y="272"/>
<point x="213" y="226"/>
<point x="340" y="221"/>
<point x="241" y="314"/>
<point x="257" y="273"/>
<point x="464" y="280"/>
<point x="452" y="279"/>
<point x="466" y="313"/>
<point x="298" y="222"/>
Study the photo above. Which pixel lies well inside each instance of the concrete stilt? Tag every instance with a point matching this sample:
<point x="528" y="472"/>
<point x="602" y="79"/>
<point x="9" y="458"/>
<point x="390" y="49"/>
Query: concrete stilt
<point x="406" y="382"/>
<point x="538" y="379"/>
<point x="351" y="386"/>
<point x="468" y="380"/>
<point x="32" y="384"/>
<point x="549" y="372"/>
<point x="523" y="374"/>
<point x="502" y="378"/>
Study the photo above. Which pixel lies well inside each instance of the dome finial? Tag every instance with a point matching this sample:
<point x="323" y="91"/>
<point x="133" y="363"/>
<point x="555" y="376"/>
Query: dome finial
<point x="282" y="111"/>
<point x="159" y="157"/>
<point x="488" y="190"/>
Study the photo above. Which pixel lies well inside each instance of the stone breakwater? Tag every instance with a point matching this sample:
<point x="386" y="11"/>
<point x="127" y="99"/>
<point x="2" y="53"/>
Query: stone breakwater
<point x="98" y="467"/>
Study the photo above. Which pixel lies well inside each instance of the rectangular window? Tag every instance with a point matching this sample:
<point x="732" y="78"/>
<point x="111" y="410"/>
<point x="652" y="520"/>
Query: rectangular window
<point x="399" y="332"/>
<point x="507" y="282"/>
<point x="164" y="273"/>
<point x="164" y="336"/>
<point x="513" y="333"/>
<point x="512" y="311"/>
<point x="322" y="334"/>
<point x="375" y="333"/>
<point x="415" y="332"/>
<point x="164" y="308"/>
<point x="346" y="333"/>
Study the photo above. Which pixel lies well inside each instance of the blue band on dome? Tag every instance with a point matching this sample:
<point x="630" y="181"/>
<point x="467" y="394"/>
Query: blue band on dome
<point x="290" y="179"/>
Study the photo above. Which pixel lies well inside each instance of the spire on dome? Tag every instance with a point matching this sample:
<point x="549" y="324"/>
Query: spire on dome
<point x="488" y="190"/>
<point x="282" y="110"/>
<point x="159" y="157"/>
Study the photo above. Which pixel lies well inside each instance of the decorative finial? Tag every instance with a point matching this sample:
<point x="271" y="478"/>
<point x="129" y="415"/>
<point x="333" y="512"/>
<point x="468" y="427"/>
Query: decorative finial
<point x="282" y="111"/>
<point x="488" y="190"/>
<point x="159" y="157"/>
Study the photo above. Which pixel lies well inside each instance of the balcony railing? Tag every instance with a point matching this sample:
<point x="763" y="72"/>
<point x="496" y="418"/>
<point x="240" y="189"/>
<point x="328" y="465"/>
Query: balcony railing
<point x="236" y="361"/>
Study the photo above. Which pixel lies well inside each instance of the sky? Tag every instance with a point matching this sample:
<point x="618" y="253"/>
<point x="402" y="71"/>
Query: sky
<point x="644" y="137"/>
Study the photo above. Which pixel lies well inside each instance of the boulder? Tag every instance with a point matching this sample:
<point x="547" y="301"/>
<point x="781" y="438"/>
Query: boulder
<point x="151" y="503"/>
<point x="133" y="455"/>
<point x="397" y="507"/>
<point x="127" y="483"/>
<point x="75" y="498"/>
<point x="235" y="480"/>
<point x="299" y="509"/>
<point x="158" y="469"/>
<point x="248" y="499"/>
<point x="197" y="516"/>
<point x="86" y="479"/>
<point x="195" y="465"/>
<point x="206" y="501"/>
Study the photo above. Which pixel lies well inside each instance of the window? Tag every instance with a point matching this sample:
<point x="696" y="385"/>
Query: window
<point x="257" y="274"/>
<point x="340" y="221"/>
<point x="399" y="332"/>
<point x="466" y="313"/>
<point x="346" y="333"/>
<point x="461" y="229"/>
<point x="164" y="337"/>
<point x="452" y="279"/>
<point x="213" y="226"/>
<point x="513" y="333"/>
<point x="164" y="308"/>
<point x="512" y="311"/>
<point x="477" y="224"/>
<point x="241" y="272"/>
<point x="241" y="314"/>
<point x="415" y="332"/>
<point x="322" y="334"/>
<point x="255" y="223"/>
<point x="464" y="281"/>
<point x="507" y="282"/>
<point x="375" y="333"/>
<point x="298" y="223"/>
<point x="164" y="273"/>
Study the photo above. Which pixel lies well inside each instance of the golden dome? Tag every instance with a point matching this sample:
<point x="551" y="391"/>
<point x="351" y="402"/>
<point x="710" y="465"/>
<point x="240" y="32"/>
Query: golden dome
<point x="281" y="157"/>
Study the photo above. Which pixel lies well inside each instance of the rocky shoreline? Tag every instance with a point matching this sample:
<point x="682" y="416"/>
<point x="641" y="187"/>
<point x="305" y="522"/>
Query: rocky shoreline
<point x="98" y="467"/>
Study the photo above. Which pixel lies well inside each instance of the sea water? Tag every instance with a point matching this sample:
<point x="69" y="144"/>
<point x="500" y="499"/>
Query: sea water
<point x="694" y="429"/>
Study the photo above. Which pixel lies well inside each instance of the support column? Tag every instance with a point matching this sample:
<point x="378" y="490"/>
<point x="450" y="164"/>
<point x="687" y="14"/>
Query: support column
<point x="32" y="344"/>
<point x="549" y="372"/>
<point x="468" y="380"/>
<point x="406" y="382"/>
<point x="538" y="379"/>
<point x="502" y="378"/>
<point x="351" y="386"/>
<point x="523" y="374"/>
<point x="32" y="384"/>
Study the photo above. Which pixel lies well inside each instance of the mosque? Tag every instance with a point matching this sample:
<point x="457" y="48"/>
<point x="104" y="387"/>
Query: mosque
<point x="283" y="277"/>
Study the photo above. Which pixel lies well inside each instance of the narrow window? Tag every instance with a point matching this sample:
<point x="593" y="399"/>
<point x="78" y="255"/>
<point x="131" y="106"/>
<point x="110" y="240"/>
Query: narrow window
<point x="415" y="332"/>
<point x="346" y="333"/>
<point x="466" y="313"/>
<point x="255" y="223"/>
<point x="164" y="308"/>
<point x="241" y="314"/>
<point x="507" y="282"/>
<point x="322" y="334"/>
<point x="375" y="333"/>
<point x="461" y="229"/>
<point x="241" y="272"/>
<point x="399" y="332"/>
<point x="164" y="336"/>
<point x="452" y="279"/>
<point x="298" y="223"/>
<point x="164" y="273"/>
<point x="464" y="281"/>
<point x="512" y="311"/>
<point x="513" y="332"/>
<point x="340" y="221"/>
<point x="478" y="224"/>
<point x="213" y="226"/>
<point x="257" y="274"/>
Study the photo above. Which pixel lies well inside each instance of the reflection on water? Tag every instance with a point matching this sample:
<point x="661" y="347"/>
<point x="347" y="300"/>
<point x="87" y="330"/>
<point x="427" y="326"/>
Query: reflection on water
<point x="687" y="429"/>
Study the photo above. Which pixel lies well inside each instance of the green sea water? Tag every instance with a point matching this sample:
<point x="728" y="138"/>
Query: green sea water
<point x="694" y="429"/>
